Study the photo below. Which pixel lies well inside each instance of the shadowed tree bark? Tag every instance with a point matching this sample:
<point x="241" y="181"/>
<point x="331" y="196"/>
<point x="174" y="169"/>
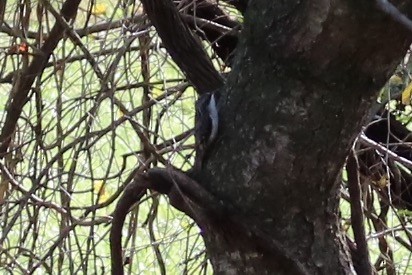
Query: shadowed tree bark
<point x="304" y="76"/>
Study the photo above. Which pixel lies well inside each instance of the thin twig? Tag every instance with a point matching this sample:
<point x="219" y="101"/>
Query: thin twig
<point x="380" y="148"/>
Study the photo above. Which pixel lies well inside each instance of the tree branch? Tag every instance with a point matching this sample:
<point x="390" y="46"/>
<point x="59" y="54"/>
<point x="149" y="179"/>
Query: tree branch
<point x="182" y="45"/>
<point x="132" y="194"/>
<point x="360" y="255"/>
<point x="184" y="194"/>
<point x="394" y="13"/>
<point x="212" y="23"/>
<point x="382" y="149"/>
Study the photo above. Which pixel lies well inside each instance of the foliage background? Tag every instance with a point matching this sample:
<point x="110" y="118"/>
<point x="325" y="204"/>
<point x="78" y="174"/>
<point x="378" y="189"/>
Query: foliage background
<point x="78" y="143"/>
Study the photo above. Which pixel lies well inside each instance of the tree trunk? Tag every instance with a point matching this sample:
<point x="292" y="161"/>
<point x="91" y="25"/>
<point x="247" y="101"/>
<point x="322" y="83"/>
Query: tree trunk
<point x="304" y="76"/>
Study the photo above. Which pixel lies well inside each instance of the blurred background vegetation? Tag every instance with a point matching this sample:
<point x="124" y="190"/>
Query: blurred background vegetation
<point x="110" y="103"/>
<point x="94" y="118"/>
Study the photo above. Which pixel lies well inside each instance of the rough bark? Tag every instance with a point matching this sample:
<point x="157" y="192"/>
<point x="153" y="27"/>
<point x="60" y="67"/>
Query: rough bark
<point x="304" y="77"/>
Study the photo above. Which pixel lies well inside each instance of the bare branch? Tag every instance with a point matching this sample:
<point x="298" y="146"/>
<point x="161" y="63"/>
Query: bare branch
<point x="394" y="13"/>
<point x="182" y="46"/>
<point x="184" y="194"/>
<point x="367" y="141"/>
<point x="361" y="257"/>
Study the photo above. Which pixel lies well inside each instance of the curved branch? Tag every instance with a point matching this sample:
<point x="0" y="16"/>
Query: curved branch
<point x="132" y="194"/>
<point x="184" y="193"/>
<point x="182" y="45"/>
